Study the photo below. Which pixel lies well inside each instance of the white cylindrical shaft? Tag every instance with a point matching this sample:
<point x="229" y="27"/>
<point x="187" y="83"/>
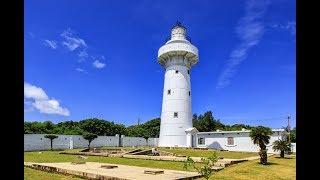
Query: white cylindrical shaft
<point x="176" y="115"/>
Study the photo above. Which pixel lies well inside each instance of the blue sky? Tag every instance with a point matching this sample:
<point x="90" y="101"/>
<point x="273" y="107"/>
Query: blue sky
<point x="99" y="59"/>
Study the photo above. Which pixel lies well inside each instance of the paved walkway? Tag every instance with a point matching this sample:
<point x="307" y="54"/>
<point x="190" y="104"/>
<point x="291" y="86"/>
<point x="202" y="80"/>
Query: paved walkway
<point x="93" y="170"/>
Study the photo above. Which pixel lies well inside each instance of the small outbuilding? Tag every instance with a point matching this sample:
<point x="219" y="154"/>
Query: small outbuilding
<point x="233" y="140"/>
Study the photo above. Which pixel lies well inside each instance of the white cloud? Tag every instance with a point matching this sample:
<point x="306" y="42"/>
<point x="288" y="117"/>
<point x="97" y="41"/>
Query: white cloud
<point x="71" y="41"/>
<point x="35" y="97"/>
<point x="249" y="30"/>
<point x="51" y="106"/>
<point x="98" y="64"/>
<point x="34" y="92"/>
<point x="51" y="44"/>
<point x="81" y="70"/>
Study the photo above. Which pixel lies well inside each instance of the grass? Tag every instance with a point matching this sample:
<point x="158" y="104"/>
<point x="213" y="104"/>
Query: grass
<point x="208" y="153"/>
<point x="277" y="168"/>
<point x="32" y="174"/>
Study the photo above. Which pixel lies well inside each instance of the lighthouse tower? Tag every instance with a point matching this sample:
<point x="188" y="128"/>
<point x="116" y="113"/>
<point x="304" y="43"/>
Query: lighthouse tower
<point x="177" y="56"/>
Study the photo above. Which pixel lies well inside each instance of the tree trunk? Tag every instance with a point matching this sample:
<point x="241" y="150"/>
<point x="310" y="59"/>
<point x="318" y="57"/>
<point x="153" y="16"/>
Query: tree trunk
<point x="51" y="143"/>
<point x="263" y="157"/>
<point x="282" y="154"/>
<point x="89" y="145"/>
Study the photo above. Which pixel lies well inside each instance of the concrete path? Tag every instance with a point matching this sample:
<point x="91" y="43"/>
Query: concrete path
<point x="93" y="170"/>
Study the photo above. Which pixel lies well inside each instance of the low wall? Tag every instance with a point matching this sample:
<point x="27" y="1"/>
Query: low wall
<point x="153" y="142"/>
<point x="39" y="142"/>
<point x="293" y="147"/>
<point x="134" y="141"/>
<point x="34" y="142"/>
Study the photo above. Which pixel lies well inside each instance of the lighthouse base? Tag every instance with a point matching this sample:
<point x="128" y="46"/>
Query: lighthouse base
<point x="173" y="141"/>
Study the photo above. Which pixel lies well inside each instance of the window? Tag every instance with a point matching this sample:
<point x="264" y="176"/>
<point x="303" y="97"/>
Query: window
<point x="175" y="114"/>
<point x="188" y="71"/>
<point x="230" y="141"/>
<point x="201" y="141"/>
<point x="177" y="71"/>
<point x="189" y="93"/>
<point x="169" y="92"/>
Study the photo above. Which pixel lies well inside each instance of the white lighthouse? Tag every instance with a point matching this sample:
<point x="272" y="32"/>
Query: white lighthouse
<point x="177" y="56"/>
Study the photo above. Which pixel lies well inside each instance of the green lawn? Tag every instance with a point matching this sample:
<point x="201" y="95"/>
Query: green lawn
<point x="278" y="168"/>
<point x="207" y="153"/>
<point x="284" y="169"/>
<point x="31" y="174"/>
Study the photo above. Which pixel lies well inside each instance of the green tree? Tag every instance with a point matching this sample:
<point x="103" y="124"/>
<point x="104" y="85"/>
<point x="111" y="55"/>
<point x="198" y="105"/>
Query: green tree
<point x="119" y="129"/>
<point x="48" y="127"/>
<point x="89" y="137"/>
<point x="293" y="135"/>
<point x="146" y="130"/>
<point x="237" y="127"/>
<point x="207" y="163"/>
<point x="51" y="137"/>
<point x="152" y="127"/>
<point x="97" y="126"/>
<point x="204" y="123"/>
<point x="282" y="146"/>
<point x="68" y="128"/>
<point x="260" y="135"/>
<point x="35" y="128"/>
<point x="137" y="131"/>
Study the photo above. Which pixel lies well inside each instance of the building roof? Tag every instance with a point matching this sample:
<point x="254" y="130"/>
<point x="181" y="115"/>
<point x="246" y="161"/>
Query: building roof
<point x="242" y="131"/>
<point x="192" y="129"/>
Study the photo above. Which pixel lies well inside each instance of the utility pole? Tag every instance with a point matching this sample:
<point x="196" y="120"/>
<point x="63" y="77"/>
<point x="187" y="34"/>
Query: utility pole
<point x="289" y="129"/>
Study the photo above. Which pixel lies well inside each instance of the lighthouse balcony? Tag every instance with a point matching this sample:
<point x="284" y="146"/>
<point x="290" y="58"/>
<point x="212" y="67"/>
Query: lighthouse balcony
<point x="183" y="49"/>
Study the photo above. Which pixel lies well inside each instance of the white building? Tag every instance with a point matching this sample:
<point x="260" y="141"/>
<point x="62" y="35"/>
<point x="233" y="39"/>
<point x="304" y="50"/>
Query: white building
<point x="233" y="140"/>
<point x="176" y="56"/>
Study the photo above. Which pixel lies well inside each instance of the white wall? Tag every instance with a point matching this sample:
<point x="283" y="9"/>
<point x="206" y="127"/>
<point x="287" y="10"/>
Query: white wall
<point x="242" y="142"/>
<point x="293" y="147"/>
<point x="153" y="142"/>
<point x="39" y="142"/>
<point x="34" y="142"/>
<point x="80" y="142"/>
<point x="134" y="141"/>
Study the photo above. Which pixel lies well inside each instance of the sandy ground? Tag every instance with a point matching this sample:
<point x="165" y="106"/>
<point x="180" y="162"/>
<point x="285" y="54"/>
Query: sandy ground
<point x="122" y="172"/>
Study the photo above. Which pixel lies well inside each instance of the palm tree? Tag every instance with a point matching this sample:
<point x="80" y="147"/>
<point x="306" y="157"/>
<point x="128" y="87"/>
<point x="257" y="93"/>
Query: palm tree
<point x="260" y="135"/>
<point x="51" y="137"/>
<point x="282" y="146"/>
